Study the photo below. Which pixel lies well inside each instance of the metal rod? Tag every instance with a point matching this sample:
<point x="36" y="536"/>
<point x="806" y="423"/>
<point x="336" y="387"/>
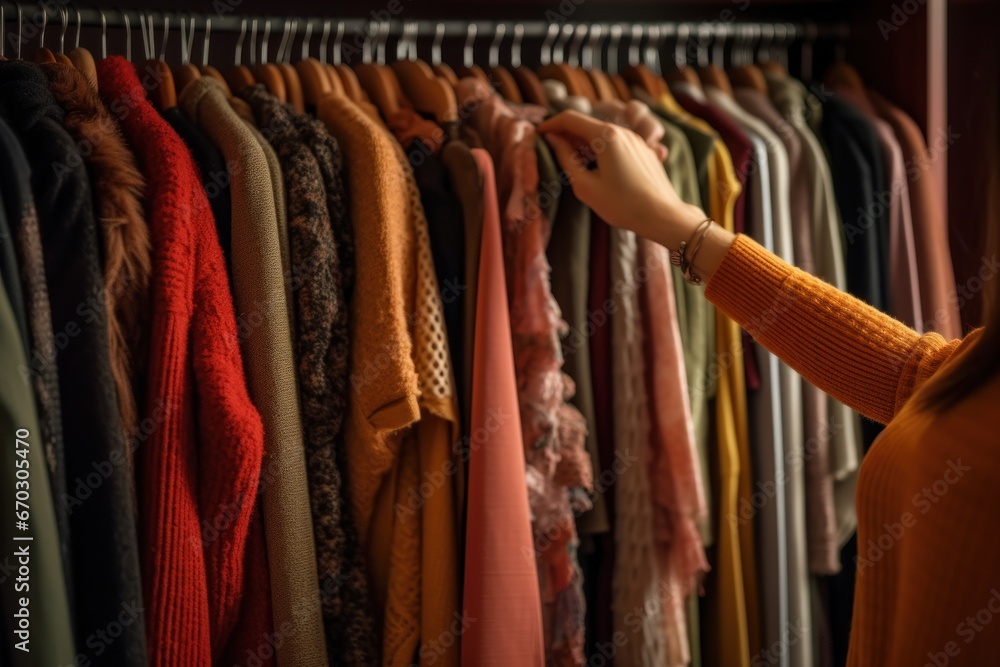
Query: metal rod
<point x="231" y="23"/>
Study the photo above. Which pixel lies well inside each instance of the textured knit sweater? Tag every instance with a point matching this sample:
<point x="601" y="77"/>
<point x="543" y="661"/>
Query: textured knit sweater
<point x="199" y="469"/>
<point x="928" y="489"/>
<point x="319" y="283"/>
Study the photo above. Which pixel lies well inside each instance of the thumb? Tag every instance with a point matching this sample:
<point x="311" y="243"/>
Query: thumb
<point x="571" y="160"/>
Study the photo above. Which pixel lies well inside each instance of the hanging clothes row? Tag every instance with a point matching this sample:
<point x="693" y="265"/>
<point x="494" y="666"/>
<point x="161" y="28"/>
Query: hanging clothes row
<point x="325" y="364"/>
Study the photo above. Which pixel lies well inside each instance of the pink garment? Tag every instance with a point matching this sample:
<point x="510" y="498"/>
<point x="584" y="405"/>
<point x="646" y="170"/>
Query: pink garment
<point x="558" y="470"/>
<point x="904" y="281"/>
<point x="674" y="471"/>
<point x="501" y="585"/>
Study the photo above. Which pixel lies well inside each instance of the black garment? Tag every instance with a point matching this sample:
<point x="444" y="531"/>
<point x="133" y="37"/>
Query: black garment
<point x="214" y="175"/>
<point x="11" y="278"/>
<point x="23" y="220"/>
<point x="859" y="182"/>
<point x="446" y="226"/>
<point x="107" y="584"/>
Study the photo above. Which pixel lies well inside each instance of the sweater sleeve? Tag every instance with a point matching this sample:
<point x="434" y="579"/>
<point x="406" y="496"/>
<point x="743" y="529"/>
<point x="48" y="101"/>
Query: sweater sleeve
<point x="860" y="356"/>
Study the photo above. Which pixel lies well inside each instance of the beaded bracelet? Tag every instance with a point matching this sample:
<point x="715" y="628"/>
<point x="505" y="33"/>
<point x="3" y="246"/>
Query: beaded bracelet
<point x="680" y="257"/>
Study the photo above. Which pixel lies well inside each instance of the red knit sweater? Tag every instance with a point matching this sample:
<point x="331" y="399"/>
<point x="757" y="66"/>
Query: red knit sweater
<point x="199" y="465"/>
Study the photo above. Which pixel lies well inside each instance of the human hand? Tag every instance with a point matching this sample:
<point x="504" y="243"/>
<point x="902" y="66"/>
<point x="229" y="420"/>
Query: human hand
<point x="614" y="172"/>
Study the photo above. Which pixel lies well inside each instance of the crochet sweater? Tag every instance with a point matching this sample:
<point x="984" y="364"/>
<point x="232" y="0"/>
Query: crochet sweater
<point x="198" y="470"/>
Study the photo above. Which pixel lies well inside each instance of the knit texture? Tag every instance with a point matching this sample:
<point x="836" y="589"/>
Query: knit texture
<point x="921" y="572"/>
<point x="105" y="560"/>
<point x="199" y="470"/>
<point x="118" y="188"/>
<point x="322" y="351"/>
<point x="384" y="386"/>
<point x="266" y="342"/>
<point x="436" y="576"/>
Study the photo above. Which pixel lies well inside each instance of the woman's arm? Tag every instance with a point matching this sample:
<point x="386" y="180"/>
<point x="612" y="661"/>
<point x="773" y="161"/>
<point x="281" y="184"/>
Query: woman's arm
<point x="864" y="358"/>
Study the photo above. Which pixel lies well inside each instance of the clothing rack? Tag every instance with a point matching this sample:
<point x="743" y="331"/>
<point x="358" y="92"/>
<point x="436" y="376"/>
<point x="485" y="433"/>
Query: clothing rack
<point x="59" y="20"/>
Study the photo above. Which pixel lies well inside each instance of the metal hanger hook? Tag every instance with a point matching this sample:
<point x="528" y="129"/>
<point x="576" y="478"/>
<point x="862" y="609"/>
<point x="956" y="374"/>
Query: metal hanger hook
<point x="64" y="19"/>
<point x="253" y="42"/>
<point x="587" y="59"/>
<point x="337" y="41"/>
<point x="436" y="44"/>
<point x="559" y="49"/>
<point x="45" y="21"/>
<point x="205" y="42"/>
<point x="306" y="39"/>
<point x="635" y="40"/>
<point x="499" y="32"/>
<point x="324" y="40"/>
<point x="579" y="36"/>
<point x="545" y="54"/>
<point x="76" y="40"/>
<point x="166" y="33"/>
<point x="238" y="60"/>
<point x="515" y="46"/>
<point x="468" y="51"/>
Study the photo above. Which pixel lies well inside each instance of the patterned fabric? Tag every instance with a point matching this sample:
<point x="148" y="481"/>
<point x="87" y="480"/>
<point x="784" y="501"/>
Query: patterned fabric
<point x="320" y="281"/>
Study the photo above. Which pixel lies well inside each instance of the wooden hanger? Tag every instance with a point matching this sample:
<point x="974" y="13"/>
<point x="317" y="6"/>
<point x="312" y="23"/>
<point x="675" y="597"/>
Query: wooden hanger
<point x="290" y="75"/>
<point x="239" y="76"/>
<point x="207" y="70"/>
<point x="185" y="73"/>
<point x="61" y="56"/>
<point x="681" y="72"/>
<point x="558" y="70"/>
<point x="267" y="73"/>
<point x="502" y="79"/>
<point x="748" y="76"/>
<point x="378" y="80"/>
<point x="604" y="90"/>
<point x="317" y="82"/>
<point x="81" y="58"/>
<point x="428" y="93"/>
<point x="162" y="93"/>
<point x="43" y="55"/>
<point x="469" y="67"/>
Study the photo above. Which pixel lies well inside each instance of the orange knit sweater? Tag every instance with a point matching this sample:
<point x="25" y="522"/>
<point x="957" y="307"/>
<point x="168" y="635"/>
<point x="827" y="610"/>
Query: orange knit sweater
<point x="928" y="584"/>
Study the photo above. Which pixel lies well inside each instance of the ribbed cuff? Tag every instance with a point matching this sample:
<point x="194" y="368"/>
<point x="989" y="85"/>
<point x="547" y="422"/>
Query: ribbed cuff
<point x="747" y="283"/>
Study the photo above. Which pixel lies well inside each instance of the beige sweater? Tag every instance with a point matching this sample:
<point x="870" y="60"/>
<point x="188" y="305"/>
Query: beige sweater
<point x="266" y="341"/>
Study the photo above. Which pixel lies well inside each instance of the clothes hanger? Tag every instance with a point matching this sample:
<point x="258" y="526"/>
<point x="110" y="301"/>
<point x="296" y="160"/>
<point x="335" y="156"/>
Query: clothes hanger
<point x="316" y="80"/>
<point x="806" y="52"/>
<point x="185" y="73"/>
<point x="81" y="58"/>
<point x="559" y="70"/>
<point x="778" y="67"/>
<point x="527" y="81"/>
<point x="428" y="93"/>
<point x="60" y="55"/>
<point x="44" y="55"/>
<point x="343" y="74"/>
<point x="163" y="93"/>
<point x="709" y="74"/>
<point x="504" y="82"/>
<point x="266" y="73"/>
<point x="749" y="75"/>
<point x="378" y="80"/>
<point x="575" y="60"/>
<point x="617" y="80"/>
<point x="590" y="61"/>
<point x="239" y="76"/>
<point x="637" y="73"/>
<point x="293" y="84"/>
<point x="680" y="72"/>
<point x="205" y="68"/>
<point x="440" y="68"/>
<point x="469" y="66"/>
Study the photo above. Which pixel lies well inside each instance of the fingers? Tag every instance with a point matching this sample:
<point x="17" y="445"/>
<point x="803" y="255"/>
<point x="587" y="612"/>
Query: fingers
<point x="572" y="162"/>
<point x="575" y="123"/>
